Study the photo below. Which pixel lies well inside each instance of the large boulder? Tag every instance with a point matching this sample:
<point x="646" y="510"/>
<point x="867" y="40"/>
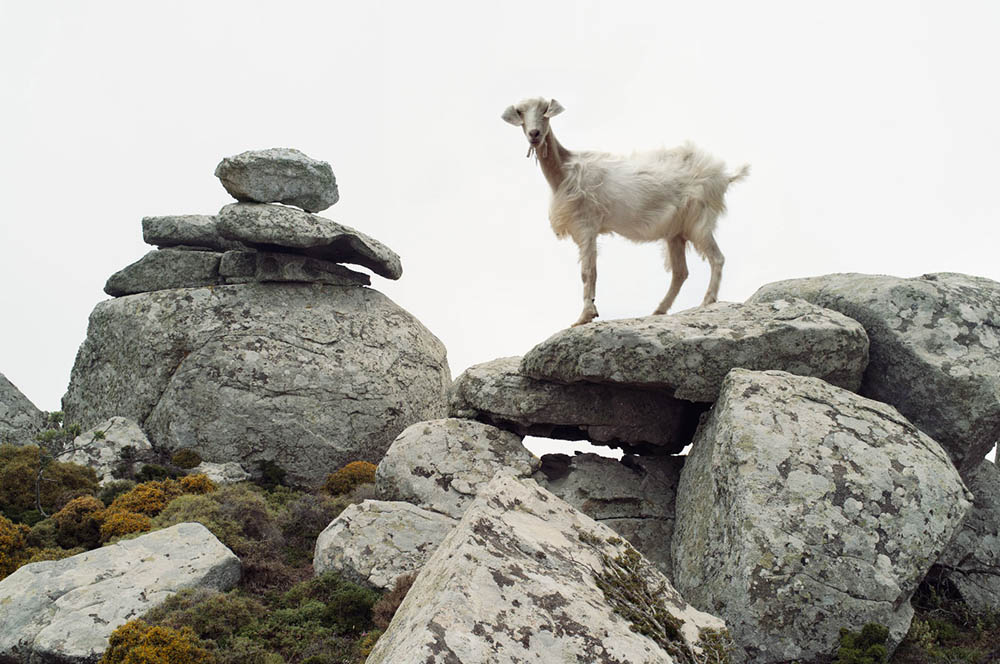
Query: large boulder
<point x="267" y="227"/>
<point x="689" y="353"/>
<point x="164" y="269"/>
<point x="65" y="610"/>
<point x="376" y="542"/>
<point x="279" y="175"/>
<point x="525" y="577"/>
<point x="307" y="376"/>
<point x="20" y="420"/>
<point x="185" y="230"/>
<point x="935" y="349"/>
<point x="440" y="465"/>
<point x="633" y="496"/>
<point x="498" y="393"/>
<point x="803" y="508"/>
<point x="971" y="563"/>
<point x="104" y="447"/>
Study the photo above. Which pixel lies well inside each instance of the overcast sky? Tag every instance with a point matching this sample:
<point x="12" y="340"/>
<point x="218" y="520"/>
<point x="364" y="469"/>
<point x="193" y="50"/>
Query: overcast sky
<point x="871" y="129"/>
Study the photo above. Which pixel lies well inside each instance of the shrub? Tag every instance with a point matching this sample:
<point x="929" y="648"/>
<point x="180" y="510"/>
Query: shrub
<point x="271" y="475"/>
<point x="348" y="477"/>
<point x="304" y="519"/>
<point x="385" y="608"/>
<point x="136" y="642"/>
<point x="865" y="647"/>
<point x="51" y="553"/>
<point x="209" y="613"/>
<point x="19" y="468"/>
<point x="148" y="498"/>
<point x="113" y="489"/>
<point x="186" y="458"/>
<point x="119" y="523"/>
<point x="13" y="545"/>
<point x="44" y="535"/>
<point x="153" y="473"/>
<point x="197" y="484"/>
<point x="79" y="523"/>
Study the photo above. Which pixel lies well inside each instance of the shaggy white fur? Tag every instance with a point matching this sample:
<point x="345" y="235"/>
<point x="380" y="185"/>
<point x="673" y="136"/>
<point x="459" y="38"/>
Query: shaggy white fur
<point x="674" y="195"/>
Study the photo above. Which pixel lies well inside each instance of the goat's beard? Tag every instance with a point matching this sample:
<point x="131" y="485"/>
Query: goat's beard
<point x="532" y="150"/>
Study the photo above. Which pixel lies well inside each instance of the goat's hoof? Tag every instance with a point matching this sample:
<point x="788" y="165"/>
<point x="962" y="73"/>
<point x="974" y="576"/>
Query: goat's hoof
<point x="584" y="319"/>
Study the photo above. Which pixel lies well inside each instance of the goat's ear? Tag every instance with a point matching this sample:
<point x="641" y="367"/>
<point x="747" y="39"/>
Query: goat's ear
<point x="512" y="116"/>
<point x="555" y="108"/>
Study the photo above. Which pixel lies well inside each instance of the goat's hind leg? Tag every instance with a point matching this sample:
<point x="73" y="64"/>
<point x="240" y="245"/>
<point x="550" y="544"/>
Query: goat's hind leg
<point x="677" y="262"/>
<point x="716" y="260"/>
<point x="588" y="272"/>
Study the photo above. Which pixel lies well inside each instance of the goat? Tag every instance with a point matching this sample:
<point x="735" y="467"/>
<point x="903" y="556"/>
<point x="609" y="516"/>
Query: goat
<point x="672" y="195"/>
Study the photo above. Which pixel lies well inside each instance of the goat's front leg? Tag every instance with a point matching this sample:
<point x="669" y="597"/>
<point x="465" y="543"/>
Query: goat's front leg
<point x="588" y="271"/>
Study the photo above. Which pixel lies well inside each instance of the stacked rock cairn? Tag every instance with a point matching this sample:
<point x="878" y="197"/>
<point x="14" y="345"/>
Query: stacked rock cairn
<point x="269" y="235"/>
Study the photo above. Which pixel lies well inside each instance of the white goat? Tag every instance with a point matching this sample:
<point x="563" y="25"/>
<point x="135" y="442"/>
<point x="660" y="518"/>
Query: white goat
<point x="671" y="195"/>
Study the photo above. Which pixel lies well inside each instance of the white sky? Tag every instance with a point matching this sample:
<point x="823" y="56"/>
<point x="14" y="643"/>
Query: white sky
<point x="871" y="128"/>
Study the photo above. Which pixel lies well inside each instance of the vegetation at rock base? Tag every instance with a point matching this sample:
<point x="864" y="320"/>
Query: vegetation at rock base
<point x="186" y="458"/>
<point x="385" y="608"/>
<point x="21" y="494"/>
<point x="864" y="647"/>
<point x="350" y="476"/>
<point x="136" y="642"/>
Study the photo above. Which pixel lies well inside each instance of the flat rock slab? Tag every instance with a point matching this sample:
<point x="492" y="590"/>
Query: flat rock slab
<point x="440" y="465"/>
<point x="165" y="269"/>
<point x="271" y="227"/>
<point x="517" y="582"/>
<point x="20" y="420"/>
<point x="65" y="610"/>
<point x="187" y="230"/>
<point x="972" y="560"/>
<point x="101" y="447"/>
<point x="803" y="508"/>
<point x="935" y="349"/>
<point x="262" y="266"/>
<point x="279" y="175"/>
<point x="310" y="377"/>
<point x="689" y="353"/>
<point x="376" y="542"/>
<point x="634" y="496"/>
<point x="498" y="393"/>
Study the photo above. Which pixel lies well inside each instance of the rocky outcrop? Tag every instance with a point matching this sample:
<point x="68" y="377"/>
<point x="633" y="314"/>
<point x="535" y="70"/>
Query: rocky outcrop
<point x="935" y="349"/>
<point x="634" y="497"/>
<point x="971" y="563"/>
<point x="103" y="447"/>
<point x="497" y="393"/>
<point x="164" y="269"/>
<point x="524" y="576"/>
<point x="441" y="465"/>
<point x="266" y="227"/>
<point x="20" y="420"/>
<point x="279" y="175"/>
<point x="185" y="230"/>
<point x="310" y="377"/>
<point x="376" y="542"/>
<point x="63" y="611"/>
<point x="803" y="508"/>
<point x="689" y="353"/>
<point x="221" y="473"/>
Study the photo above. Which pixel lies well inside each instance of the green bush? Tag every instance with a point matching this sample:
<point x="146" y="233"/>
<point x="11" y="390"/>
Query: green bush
<point x="79" y="522"/>
<point x="113" y="489"/>
<point x="865" y="647"/>
<point x="271" y="475"/>
<point x="186" y="459"/>
<point x="18" y="472"/>
<point x="154" y="473"/>
<point x="353" y="474"/>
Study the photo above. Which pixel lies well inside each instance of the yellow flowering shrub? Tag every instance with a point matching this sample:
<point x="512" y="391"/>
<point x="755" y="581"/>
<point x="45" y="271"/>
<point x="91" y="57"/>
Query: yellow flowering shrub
<point x="148" y="498"/>
<point x="135" y="642"/>
<point x="348" y="477"/>
<point x="197" y="484"/>
<point x="121" y="522"/>
<point x="13" y="545"/>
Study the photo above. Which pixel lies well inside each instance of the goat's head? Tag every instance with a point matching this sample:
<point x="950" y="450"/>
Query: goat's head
<point x="532" y="115"/>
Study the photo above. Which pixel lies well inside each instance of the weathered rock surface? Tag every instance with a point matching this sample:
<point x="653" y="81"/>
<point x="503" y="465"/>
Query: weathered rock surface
<point x="497" y="393"/>
<point x="222" y="473"/>
<point x="101" y="447"/>
<point x="164" y="269"/>
<point x="64" y="610"/>
<point x="634" y="497"/>
<point x="20" y="420"/>
<point x="268" y="227"/>
<point x="245" y="266"/>
<point x="972" y="560"/>
<point x="377" y="541"/>
<point x="935" y="349"/>
<point x="185" y="230"/>
<point x="689" y="353"/>
<point x="310" y="377"/>
<point x="803" y="508"/>
<point x="440" y="465"/>
<point x="279" y="175"/>
<point x="517" y="581"/>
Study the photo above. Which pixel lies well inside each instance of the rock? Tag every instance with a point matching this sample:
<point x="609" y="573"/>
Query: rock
<point x="935" y="349"/>
<point x="64" y="610"/>
<point x="222" y="473"/>
<point x="517" y="581"/>
<point x="803" y="508"/>
<point x="689" y="353"/>
<point x="634" y="497"/>
<point x="497" y="393"/>
<point x="185" y="230"/>
<point x="310" y="377"/>
<point x="440" y="465"/>
<point x="245" y="266"/>
<point x="20" y="420"/>
<point x="971" y="563"/>
<point x="164" y="269"/>
<point x="101" y="447"/>
<point x="267" y="227"/>
<point x="376" y="542"/>
<point x="279" y="175"/>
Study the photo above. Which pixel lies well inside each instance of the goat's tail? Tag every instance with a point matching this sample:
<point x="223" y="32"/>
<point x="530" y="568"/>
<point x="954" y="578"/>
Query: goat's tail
<point x="740" y="174"/>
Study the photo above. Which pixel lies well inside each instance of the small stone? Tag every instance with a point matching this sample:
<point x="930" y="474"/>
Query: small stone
<point x="186" y="230"/>
<point x="166" y="269"/>
<point x="279" y="175"/>
<point x="263" y="266"/>
<point x="222" y="473"/>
